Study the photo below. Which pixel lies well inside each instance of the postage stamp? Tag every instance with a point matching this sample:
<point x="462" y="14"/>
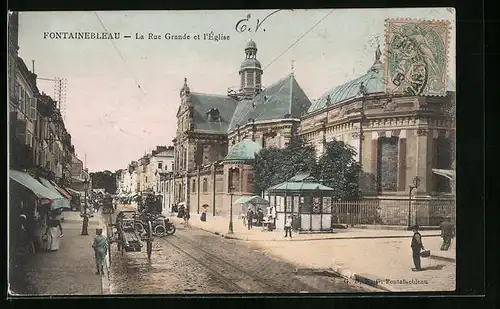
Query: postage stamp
<point x="416" y="57"/>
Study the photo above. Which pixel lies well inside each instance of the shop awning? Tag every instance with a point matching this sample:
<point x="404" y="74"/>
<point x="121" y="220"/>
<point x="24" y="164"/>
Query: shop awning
<point x="255" y="199"/>
<point x="62" y="191"/>
<point x="33" y="185"/>
<point x="74" y="192"/>
<point x="61" y="201"/>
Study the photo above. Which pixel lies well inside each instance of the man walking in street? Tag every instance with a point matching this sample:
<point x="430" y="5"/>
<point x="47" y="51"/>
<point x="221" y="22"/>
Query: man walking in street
<point x="250" y="218"/>
<point x="447" y="233"/>
<point x="100" y="246"/>
<point x="288" y="226"/>
<point x="416" y="246"/>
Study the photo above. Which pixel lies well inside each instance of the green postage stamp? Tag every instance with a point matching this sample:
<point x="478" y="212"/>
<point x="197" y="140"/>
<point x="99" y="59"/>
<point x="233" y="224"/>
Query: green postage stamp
<point x="417" y="56"/>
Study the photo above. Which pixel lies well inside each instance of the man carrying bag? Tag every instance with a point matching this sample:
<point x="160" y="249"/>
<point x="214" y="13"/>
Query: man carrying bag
<point x="417" y="246"/>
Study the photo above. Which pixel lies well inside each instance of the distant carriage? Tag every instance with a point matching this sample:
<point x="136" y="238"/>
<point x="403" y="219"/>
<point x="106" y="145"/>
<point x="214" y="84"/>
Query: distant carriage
<point x="107" y="205"/>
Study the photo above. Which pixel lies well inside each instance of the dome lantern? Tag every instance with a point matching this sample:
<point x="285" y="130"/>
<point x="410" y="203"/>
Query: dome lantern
<point x="250" y="72"/>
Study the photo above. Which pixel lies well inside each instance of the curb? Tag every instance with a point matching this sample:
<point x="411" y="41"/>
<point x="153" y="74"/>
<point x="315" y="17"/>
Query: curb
<point x="308" y="239"/>
<point x="347" y="274"/>
<point x="443" y="258"/>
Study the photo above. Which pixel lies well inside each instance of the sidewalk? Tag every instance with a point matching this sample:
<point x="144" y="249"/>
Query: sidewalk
<point x="71" y="269"/>
<point x="380" y="258"/>
<point x="220" y="225"/>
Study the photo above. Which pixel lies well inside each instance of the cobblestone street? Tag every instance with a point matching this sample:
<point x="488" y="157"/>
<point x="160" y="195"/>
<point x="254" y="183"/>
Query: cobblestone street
<point x="381" y="256"/>
<point x="194" y="261"/>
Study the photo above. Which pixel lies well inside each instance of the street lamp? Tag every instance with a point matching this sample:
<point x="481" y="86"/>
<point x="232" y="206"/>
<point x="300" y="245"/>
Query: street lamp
<point x="85" y="223"/>
<point x="416" y="183"/>
<point x="231" y="193"/>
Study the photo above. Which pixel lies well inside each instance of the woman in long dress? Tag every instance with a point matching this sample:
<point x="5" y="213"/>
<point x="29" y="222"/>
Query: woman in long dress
<point x="54" y="234"/>
<point x="100" y="246"/>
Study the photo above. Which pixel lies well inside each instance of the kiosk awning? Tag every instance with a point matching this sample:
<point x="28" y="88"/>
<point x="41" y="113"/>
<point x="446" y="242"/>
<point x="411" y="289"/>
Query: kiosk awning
<point x="33" y="185"/>
<point x="298" y="186"/>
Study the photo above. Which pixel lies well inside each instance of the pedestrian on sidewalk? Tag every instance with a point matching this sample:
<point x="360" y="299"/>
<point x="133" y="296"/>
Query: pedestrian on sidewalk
<point x="447" y="233"/>
<point x="417" y="246"/>
<point x="203" y="217"/>
<point x="28" y="228"/>
<point x="186" y="218"/>
<point x="288" y="226"/>
<point x="100" y="246"/>
<point x="250" y="218"/>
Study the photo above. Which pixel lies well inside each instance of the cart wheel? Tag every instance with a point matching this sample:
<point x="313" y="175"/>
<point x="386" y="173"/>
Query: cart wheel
<point x="150" y="240"/>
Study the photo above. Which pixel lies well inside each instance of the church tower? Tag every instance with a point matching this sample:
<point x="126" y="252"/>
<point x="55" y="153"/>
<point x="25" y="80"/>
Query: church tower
<point x="250" y="72"/>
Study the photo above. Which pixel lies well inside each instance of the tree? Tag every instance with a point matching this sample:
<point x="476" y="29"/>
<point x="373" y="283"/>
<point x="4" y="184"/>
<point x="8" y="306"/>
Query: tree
<point x="273" y="165"/>
<point x="338" y="169"/>
<point x="301" y="157"/>
<point x="104" y="179"/>
<point x="269" y="168"/>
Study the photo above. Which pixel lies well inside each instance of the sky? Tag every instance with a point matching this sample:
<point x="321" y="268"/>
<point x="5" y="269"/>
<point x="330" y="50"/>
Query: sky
<point x="122" y="95"/>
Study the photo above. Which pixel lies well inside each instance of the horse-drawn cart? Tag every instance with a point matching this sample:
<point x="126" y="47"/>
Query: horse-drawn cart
<point x="127" y="236"/>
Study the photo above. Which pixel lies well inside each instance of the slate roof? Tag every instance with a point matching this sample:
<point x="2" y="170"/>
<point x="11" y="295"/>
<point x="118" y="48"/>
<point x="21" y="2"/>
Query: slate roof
<point x="243" y="151"/>
<point x="203" y="102"/>
<point x="275" y="102"/>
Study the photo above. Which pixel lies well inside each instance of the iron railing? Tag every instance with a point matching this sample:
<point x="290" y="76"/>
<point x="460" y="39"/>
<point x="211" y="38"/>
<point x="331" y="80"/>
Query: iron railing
<point x="424" y="212"/>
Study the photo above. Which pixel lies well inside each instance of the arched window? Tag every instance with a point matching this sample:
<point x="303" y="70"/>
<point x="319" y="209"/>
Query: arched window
<point x="234" y="180"/>
<point x="194" y="186"/>
<point x="387" y="172"/>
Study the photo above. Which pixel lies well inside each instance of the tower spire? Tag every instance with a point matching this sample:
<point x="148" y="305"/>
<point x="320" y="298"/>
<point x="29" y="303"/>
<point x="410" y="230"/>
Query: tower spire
<point x="292" y="67"/>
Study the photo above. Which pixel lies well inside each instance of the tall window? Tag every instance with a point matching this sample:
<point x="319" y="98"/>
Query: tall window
<point x="33" y="108"/>
<point x="194" y="186"/>
<point x="442" y="160"/>
<point x="160" y="165"/>
<point x="205" y="185"/>
<point x="387" y="172"/>
<point x="234" y="179"/>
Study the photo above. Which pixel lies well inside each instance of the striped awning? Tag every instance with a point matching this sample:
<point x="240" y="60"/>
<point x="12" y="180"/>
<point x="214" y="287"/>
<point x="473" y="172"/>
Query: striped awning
<point x="61" y="190"/>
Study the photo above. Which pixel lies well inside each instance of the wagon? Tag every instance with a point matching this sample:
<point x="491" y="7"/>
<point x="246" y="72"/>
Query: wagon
<point x="125" y="233"/>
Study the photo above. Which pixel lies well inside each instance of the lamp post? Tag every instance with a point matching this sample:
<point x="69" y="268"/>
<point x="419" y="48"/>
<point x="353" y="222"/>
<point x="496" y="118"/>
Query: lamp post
<point x="415" y="185"/>
<point x="85" y="223"/>
<point x="231" y="193"/>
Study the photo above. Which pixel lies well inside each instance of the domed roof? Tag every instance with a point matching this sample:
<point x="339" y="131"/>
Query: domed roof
<point x="243" y="151"/>
<point x="251" y="45"/>
<point x="373" y="81"/>
<point x="250" y="63"/>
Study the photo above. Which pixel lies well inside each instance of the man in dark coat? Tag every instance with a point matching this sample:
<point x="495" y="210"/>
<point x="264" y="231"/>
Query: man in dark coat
<point x="416" y="246"/>
<point x="447" y="233"/>
<point x="250" y="218"/>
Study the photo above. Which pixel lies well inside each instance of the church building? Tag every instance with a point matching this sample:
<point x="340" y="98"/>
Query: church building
<point x="218" y="135"/>
<point x="399" y="139"/>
